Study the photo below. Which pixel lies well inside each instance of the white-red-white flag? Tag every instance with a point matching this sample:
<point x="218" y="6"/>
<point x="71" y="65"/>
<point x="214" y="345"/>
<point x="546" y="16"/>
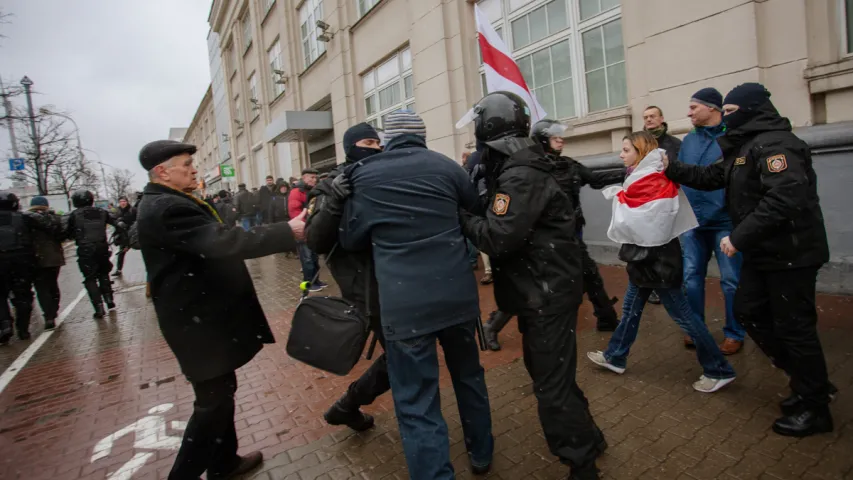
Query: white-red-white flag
<point x="502" y="73"/>
<point x="649" y="210"/>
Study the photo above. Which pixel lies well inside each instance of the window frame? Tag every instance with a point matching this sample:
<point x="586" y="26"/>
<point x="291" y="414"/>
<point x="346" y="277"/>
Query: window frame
<point x="367" y="10"/>
<point x="238" y="114"/>
<point x="254" y="94"/>
<point x="310" y="6"/>
<point x="403" y="73"/>
<point x="276" y="64"/>
<point x="246" y="27"/>
<point x="573" y="33"/>
<point x="845" y="39"/>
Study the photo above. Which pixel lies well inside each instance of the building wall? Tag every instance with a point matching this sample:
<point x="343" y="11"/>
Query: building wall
<point x="671" y="49"/>
<point x="203" y="134"/>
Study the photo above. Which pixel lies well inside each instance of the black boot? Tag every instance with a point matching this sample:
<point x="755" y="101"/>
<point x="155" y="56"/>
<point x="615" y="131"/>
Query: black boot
<point x="108" y="298"/>
<point x="497" y="321"/>
<point x="607" y="319"/>
<point x="343" y="413"/>
<point x="117" y="273"/>
<point x="99" y="311"/>
<point x="807" y="422"/>
<point x="49" y="323"/>
<point x="587" y="472"/>
<point x="491" y="337"/>
<point x="5" y="333"/>
<point x="22" y="322"/>
<point x="793" y="404"/>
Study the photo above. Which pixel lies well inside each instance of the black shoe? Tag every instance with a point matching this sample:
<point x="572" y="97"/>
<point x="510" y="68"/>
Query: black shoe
<point x="99" y="312"/>
<point x="24" y="335"/>
<point x="246" y="465"/>
<point x="589" y="472"/>
<point x="480" y="469"/>
<point x="49" y="324"/>
<point x="5" y="336"/>
<point x="805" y="423"/>
<point x="354" y="419"/>
<point x="793" y="404"/>
<point x="654" y="299"/>
<point x="491" y="337"/>
<point x="117" y="273"/>
<point x="108" y="298"/>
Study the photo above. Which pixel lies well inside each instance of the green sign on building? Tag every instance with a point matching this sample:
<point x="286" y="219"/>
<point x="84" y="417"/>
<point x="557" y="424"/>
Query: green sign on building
<point x="226" y="170"/>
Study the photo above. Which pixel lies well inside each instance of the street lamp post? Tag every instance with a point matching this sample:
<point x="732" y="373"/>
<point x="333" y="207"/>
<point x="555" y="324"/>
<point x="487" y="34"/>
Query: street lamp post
<point x="27" y="84"/>
<point x="80" y="148"/>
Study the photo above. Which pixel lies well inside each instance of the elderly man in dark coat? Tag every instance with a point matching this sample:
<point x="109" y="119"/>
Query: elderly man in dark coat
<point x="213" y="327"/>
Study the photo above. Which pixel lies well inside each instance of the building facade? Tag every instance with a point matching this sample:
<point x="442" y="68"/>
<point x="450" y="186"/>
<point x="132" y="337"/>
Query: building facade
<point x="298" y="73"/>
<point x="202" y="133"/>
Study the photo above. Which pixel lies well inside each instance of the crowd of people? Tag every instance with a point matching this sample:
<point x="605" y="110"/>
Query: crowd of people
<point x="399" y="225"/>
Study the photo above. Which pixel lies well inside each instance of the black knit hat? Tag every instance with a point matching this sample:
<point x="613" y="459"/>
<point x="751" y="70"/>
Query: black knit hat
<point x="159" y="151"/>
<point x="710" y="97"/>
<point x="747" y="96"/>
<point x="356" y="133"/>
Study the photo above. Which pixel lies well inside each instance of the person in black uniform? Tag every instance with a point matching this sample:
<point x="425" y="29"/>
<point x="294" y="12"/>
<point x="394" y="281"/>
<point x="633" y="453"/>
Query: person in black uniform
<point x="572" y="176"/>
<point x="50" y="257"/>
<point x="529" y="234"/>
<point x="771" y="195"/>
<point x="351" y="270"/>
<point x="87" y="226"/>
<point x="17" y="267"/>
<point x="125" y="219"/>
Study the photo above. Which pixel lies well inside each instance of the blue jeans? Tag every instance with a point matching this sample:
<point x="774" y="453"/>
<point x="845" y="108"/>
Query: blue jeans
<point x="247" y="222"/>
<point x="714" y="364"/>
<point x="413" y="371"/>
<point x="697" y="245"/>
<point x="309" y="260"/>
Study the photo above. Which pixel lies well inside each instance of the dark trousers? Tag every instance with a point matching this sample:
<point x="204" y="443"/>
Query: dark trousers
<point x="16" y="277"/>
<point x="777" y="309"/>
<point x="47" y="288"/>
<point x="210" y="440"/>
<point x="95" y="265"/>
<point x="593" y="286"/>
<point x="374" y="381"/>
<point x="550" y="355"/>
<point x="413" y="369"/>
<point x="310" y="262"/>
<point x="120" y="258"/>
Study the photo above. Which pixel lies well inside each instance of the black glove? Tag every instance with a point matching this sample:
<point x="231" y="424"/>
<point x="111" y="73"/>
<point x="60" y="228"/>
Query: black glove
<point x="341" y="188"/>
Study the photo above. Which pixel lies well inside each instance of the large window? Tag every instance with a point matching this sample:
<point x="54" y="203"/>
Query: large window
<point x="276" y="69"/>
<point x="238" y="111"/>
<point x="570" y="52"/>
<point x="247" y="31"/>
<point x="268" y="5"/>
<point x="254" y="97"/>
<point x="364" y="6"/>
<point x="848" y="26"/>
<point x="388" y="88"/>
<point x="309" y="13"/>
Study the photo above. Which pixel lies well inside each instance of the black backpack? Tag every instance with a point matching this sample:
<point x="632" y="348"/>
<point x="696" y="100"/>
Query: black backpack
<point x="328" y="333"/>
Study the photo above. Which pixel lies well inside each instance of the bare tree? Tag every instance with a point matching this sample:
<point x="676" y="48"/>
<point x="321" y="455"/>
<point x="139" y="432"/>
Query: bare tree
<point x="76" y="173"/>
<point x="118" y="183"/>
<point x="53" y="146"/>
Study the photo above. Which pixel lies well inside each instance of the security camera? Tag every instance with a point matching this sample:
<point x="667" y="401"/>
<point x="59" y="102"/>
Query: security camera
<point x="322" y="25"/>
<point x="278" y="72"/>
<point x="325" y="37"/>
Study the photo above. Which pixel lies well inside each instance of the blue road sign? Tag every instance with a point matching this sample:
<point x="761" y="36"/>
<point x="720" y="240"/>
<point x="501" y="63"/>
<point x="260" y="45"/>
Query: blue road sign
<point x="16" y="164"/>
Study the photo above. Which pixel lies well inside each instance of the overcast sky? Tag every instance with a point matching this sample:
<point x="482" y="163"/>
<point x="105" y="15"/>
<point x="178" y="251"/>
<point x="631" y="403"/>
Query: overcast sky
<point x="126" y="70"/>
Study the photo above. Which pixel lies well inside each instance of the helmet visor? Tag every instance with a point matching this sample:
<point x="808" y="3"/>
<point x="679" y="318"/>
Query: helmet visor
<point x="469" y="117"/>
<point x="555" y="130"/>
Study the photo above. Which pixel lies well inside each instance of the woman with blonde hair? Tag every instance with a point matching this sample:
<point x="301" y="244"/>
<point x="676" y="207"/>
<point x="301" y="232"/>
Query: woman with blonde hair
<point x="649" y="213"/>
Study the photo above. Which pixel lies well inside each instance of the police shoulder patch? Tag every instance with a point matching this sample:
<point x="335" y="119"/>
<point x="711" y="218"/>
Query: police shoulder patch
<point x="311" y="205"/>
<point x="501" y="204"/>
<point x="777" y="163"/>
<point x="740" y="161"/>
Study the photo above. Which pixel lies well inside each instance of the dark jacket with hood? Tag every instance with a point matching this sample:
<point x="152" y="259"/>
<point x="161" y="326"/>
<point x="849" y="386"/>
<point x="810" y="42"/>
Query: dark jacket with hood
<point x="227" y="211"/>
<point x="573" y="175"/>
<point x="405" y="205"/>
<point x="771" y="192"/>
<point x="245" y="203"/>
<point x="671" y="144"/>
<point x="203" y="294"/>
<point x="700" y="147"/>
<point x="529" y="235"/>
<point x="47" y="240"/>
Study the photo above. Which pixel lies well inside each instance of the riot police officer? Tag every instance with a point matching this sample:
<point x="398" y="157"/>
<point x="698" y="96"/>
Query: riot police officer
<point x="87" y="225"/>
<point x="572" y="176"/>
<point x="17" y="267"/>
<point x="125" y="218"/>
<point x="529" y="234"/>
<point x="771" y="194"/>
<point x="353" y="271"/>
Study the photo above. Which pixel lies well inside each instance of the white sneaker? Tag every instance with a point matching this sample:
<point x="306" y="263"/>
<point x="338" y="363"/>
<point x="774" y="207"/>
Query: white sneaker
<point x="599" y="359"/>
<point x="711" y="385"/>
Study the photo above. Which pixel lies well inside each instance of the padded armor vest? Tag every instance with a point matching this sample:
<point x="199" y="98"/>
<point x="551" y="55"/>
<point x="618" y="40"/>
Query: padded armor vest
<point x="14" y="233"/>
<point x="90" y="225"/>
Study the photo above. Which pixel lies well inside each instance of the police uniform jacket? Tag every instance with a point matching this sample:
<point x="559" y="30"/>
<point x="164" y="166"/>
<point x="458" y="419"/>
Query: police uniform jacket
<point x="771" y="193"/>
<point x="47" y="240"/>
<point x="573" y="175"/>
<point x="529" y="234"/>
<point x="203" y="294"/>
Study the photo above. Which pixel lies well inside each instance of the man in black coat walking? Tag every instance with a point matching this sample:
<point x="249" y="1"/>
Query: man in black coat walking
<point x="213" y="327"/>
<point x="50" y="257"/>
<point x="352" y="270"/>
<point x="771" y="195"/>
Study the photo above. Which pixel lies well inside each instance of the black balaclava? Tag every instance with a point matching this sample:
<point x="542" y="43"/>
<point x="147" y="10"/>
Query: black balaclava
<point x="747" y="96"/>
<point x="356" y="133"/>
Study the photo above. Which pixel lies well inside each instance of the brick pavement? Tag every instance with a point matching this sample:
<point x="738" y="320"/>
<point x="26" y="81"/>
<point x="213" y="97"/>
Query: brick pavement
<point x="94" y="378"/>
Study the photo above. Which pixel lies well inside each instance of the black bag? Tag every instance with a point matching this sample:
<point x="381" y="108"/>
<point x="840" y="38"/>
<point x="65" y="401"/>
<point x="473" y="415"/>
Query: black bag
<point x="328" y="333"/>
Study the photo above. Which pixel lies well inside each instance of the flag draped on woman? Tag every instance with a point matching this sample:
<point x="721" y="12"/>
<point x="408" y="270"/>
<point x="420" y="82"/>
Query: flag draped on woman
<point x="649" y="210"/>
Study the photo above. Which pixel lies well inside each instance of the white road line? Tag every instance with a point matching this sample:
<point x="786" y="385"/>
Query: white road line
<point x="25" y="356"/>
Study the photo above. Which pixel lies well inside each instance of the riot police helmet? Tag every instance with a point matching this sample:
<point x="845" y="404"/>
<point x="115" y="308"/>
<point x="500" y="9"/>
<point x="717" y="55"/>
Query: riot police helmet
<point x="544" y="130"/>
<point x="8" y="201"/>
<point x="498" y="115"/>
<point x="82" y="198"/>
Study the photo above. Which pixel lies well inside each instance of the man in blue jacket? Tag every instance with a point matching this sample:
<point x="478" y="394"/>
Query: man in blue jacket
<point x="700" y="147"/>
<point x="405" y="206"/>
